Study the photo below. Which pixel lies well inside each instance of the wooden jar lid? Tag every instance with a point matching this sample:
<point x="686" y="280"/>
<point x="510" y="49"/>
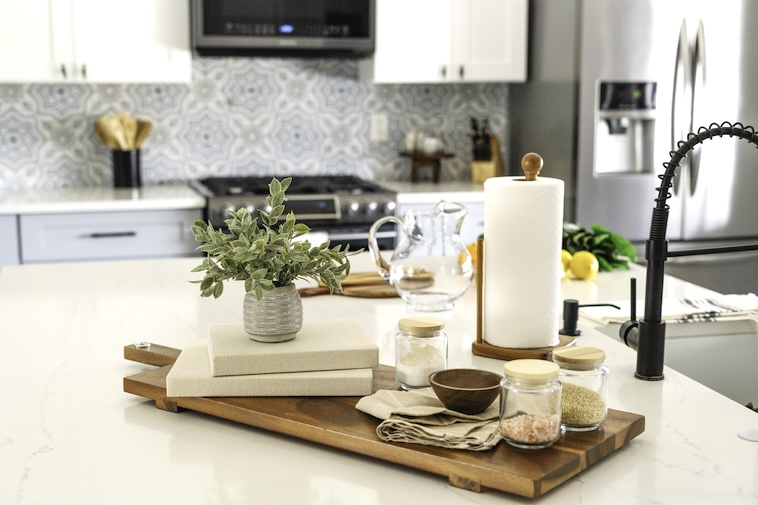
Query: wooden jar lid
<point x="579" y="355"/>
<point x="421" y="324"/>
<point x="531" y="369"/>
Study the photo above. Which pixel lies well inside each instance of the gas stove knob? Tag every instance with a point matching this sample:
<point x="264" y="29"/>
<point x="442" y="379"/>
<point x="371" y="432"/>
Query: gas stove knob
<point x="224" y="209"/>
<point x="350" y="207"/>
<point x="369" y="208"/>
<point x="387" y="207"/>
<point x="249" y="207"/>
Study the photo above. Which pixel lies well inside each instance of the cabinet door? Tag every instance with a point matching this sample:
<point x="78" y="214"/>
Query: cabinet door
<point x="134" y="41"/>
<point x="413" y="41"/>
<point x="9" y="247"/>
<point x="108" y="235"/>
<point x="490" y="40"/>
<point x="26" y="41"/>
<point x="94" y="41"/>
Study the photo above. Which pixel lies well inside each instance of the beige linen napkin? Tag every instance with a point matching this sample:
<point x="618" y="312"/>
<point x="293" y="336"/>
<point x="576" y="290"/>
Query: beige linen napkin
<point x="419" y="417"/>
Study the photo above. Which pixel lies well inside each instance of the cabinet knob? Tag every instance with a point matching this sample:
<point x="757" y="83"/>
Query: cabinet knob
<point x="460" y="72"/>
<point x="63" y="71"/>
<point x="84" y="71"/>
<point x="443" y="71"/>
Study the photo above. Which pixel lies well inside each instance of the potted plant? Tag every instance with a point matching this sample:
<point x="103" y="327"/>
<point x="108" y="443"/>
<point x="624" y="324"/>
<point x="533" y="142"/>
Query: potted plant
<point x="268" y="254"/>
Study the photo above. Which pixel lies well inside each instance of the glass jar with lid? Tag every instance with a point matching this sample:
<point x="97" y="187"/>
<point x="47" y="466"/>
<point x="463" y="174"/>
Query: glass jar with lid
<point x="530" y="404"/>
<point x="584" y="396"/>
<point x="420" y="349"/>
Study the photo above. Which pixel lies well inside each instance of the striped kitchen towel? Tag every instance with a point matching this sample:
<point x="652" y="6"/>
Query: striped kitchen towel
<point x="682" y="310"/>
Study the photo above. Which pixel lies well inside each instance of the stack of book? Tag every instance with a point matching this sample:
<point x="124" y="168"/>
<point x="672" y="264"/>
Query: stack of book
<point x="326" y="358"/>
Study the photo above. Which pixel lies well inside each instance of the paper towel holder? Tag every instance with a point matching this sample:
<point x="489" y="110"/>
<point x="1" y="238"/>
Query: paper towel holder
<point x="482" y="348"/>
<point x="531" y="164"/>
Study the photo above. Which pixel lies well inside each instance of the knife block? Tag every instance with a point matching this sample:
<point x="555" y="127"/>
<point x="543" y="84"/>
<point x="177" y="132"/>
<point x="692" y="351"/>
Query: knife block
<point x="482" y="348"/>
<point x="482" y="170"/>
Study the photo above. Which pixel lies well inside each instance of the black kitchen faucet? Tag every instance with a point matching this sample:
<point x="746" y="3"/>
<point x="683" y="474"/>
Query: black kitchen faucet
<point x="648" y="336"/>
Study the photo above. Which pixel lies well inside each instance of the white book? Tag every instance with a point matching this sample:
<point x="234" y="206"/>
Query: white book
<point x="191" y="376"/>
<point x="334" y="344"/>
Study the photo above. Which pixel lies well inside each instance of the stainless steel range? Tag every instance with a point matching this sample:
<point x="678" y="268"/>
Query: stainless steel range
<point x="343" y="206"/>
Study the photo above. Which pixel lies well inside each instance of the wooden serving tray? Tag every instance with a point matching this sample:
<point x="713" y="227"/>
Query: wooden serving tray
<point x="335" y="422"/>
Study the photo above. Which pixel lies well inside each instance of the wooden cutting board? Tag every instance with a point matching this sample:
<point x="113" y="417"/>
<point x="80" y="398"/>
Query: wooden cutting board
<point x="335" y="422"/>
<point x="368" y="291"/>
<point x="359" y="284"/>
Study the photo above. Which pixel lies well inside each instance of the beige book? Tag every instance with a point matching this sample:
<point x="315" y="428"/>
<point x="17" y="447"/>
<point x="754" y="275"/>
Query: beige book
<point x="191" y="376"/>
<point x="334" y="344"/>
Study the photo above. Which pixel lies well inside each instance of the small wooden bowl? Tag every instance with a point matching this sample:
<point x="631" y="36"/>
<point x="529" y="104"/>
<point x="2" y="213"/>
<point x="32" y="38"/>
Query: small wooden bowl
<point x="466" y="390"/>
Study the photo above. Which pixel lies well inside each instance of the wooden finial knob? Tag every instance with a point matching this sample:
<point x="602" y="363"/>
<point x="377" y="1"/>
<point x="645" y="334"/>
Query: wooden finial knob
<point x="531" y="164"/>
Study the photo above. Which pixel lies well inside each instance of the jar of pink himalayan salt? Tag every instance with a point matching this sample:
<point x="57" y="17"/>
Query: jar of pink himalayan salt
<point x="530" y="404"/>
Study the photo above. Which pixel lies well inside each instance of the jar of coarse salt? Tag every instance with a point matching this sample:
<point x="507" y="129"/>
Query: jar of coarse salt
<point x="530" y="404"/>
<point x="584" y="396"/>
<point x="420" y="349"/>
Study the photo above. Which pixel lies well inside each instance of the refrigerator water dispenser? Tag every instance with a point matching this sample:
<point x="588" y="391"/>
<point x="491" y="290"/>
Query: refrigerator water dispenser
<point x="624" y="127"/>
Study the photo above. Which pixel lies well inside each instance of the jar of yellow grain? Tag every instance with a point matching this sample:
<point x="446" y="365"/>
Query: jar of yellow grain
<point x="584" y="396"/>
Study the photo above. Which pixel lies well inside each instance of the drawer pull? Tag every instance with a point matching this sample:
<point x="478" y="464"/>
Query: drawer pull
<point x="113" y="234"/>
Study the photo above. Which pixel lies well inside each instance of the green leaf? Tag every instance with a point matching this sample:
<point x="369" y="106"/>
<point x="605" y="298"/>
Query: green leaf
<point x="276" y="200"/>
<point x="606" y="245"/>
<point x="300" y="228"/>
<point x="218" y="289"/>
<point x="287" y="227"/>
<point x="259" y="274"/>
<point x="276" y="211"/>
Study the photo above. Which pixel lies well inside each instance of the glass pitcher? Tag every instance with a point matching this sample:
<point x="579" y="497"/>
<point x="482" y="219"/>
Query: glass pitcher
<point x="430" y="268"/>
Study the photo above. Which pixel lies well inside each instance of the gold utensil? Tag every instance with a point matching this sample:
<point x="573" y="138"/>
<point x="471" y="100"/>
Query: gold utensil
<point x="103" y="135"/>
<point x="143" y="131"/>
<point x="121" y="132"/>
<point x="129" y="127"/>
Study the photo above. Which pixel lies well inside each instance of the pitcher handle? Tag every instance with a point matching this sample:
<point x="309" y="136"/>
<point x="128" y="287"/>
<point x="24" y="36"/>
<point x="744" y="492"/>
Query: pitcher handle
<point x="373" y="246"/>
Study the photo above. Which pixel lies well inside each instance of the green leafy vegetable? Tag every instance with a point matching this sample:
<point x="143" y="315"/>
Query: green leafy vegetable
<point x="611" y="249"/>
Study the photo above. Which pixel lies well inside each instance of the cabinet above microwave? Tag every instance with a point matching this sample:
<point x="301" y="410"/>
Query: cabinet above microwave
<point x="302" y="28"/>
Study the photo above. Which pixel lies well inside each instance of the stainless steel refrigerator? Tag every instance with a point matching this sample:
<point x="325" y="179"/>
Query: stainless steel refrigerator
<point x="613" y="85"/>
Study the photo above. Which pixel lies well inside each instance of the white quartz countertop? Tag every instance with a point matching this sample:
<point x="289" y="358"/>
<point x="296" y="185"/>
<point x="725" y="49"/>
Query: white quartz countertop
<point x="99" y="199"/>
<point x="429" y="192"/>
<point x="70" y="435"/>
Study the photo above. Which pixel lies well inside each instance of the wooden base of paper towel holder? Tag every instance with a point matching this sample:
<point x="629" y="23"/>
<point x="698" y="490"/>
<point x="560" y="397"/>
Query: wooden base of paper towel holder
<point x="482" y="348"/>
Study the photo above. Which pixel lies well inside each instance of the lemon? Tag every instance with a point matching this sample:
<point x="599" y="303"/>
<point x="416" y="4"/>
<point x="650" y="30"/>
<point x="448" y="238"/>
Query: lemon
<point x="565" y="260"/>
<point x="584" y="265"/>
<point x="472" y="250"/>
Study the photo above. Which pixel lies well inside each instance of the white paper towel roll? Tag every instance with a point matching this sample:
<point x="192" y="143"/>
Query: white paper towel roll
<point x="523" y="223"/>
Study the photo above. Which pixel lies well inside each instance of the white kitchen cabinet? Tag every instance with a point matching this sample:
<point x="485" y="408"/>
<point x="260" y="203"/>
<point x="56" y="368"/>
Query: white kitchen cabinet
<point x="9" y="241"/>
<point x="107" y="235"/>
<point x="443" y="41"/>
<point x="94" y="41"/>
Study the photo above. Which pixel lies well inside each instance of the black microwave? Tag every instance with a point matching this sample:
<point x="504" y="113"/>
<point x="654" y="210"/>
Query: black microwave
<point x="302" y="28"/>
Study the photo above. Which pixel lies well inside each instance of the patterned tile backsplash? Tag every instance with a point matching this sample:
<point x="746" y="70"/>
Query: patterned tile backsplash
<point x="241" y="116"/>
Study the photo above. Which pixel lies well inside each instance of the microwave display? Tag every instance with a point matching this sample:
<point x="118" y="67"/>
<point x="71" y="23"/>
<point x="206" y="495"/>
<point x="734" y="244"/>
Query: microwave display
<point x="287" y="18"/>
